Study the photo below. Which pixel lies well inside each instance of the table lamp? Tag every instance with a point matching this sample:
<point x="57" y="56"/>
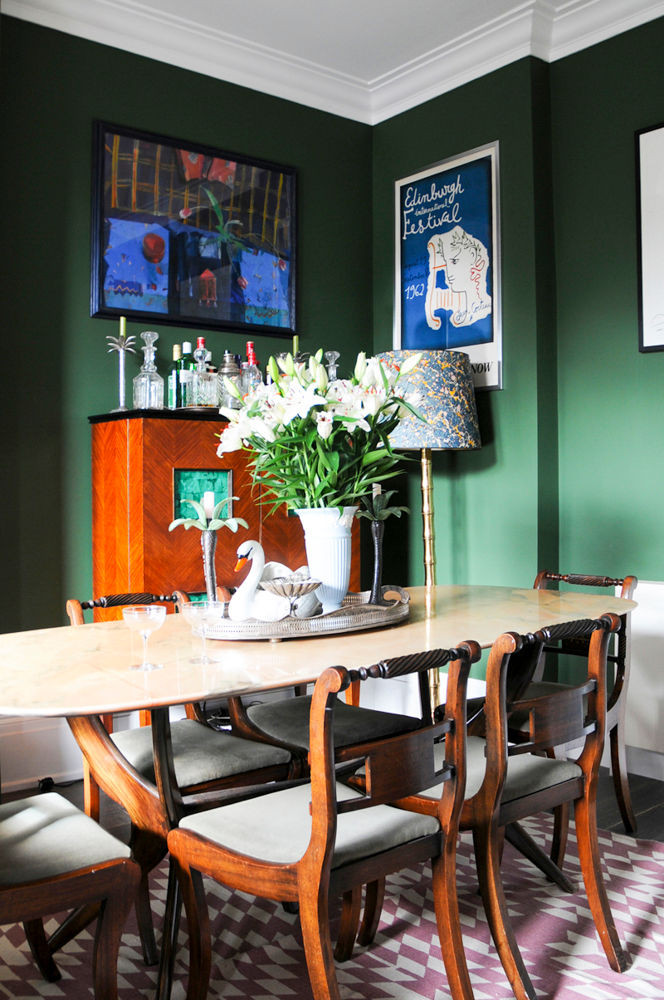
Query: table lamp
<point x="441" y="388"/>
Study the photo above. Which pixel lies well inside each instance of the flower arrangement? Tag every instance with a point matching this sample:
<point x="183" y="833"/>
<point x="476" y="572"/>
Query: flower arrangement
<point x="316" y="442"/>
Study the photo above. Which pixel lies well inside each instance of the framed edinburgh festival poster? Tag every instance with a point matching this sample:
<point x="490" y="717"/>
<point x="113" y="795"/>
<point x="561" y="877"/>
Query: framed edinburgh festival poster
<point x="191" y="235"/>
<point x="447" y="289"/>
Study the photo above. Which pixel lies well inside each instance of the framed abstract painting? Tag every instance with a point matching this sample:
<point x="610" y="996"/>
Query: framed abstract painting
<point x="191" y="235"/>
<point x="447" y="285"/>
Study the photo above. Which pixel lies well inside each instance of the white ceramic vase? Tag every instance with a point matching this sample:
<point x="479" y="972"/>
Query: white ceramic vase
<point x="328" y="545"/>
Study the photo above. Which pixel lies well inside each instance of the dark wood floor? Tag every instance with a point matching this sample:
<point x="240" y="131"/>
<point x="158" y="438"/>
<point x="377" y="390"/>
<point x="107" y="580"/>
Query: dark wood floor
<point x="647" y="799"/>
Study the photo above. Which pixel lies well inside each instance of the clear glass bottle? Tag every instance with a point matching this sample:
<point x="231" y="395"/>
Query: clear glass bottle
<point x="251" y="373"/>
<point x="206" y="384"/>
<point x="148" y="384"/>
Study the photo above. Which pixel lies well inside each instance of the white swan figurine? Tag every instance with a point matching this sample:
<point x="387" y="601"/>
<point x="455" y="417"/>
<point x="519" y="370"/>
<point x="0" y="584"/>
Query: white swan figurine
<point x="249" y="601"/>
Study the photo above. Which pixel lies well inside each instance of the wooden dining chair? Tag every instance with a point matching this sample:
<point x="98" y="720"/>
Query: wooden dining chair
<point x="322" y="838"/>
<point x="506" y="782"/>
<point x="52" y="858"/>
<point x="208" y="764"/>
<point x="619" y="658"/>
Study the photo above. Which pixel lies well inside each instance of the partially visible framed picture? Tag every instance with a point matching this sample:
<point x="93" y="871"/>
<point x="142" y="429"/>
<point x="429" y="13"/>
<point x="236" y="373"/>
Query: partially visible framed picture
<point x="447" y="288"/>
<point x="190" y="235"/>
<point x="650" y="215"/>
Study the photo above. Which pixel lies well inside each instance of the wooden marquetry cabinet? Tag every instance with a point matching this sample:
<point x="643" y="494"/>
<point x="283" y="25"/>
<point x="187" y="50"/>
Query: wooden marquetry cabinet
<point x="141" y="466"/>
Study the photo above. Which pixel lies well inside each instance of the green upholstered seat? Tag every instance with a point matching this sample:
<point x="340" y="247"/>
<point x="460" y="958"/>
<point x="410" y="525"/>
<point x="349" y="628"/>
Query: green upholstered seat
<point x="288" y="721"/>
<point x="44" y="836"/>
<point x="277" y="827"/>
<point x="200" y="754"/>
<point x="526" y="773"/>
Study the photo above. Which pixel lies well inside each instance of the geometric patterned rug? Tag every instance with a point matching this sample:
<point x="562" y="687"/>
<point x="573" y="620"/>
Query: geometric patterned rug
<point x="258" y="951"/>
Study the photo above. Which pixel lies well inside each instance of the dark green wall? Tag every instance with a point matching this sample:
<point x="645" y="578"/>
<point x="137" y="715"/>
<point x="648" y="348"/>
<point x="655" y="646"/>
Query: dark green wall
<point x="490" y="526"/>
<point x="610" y="397"/>
<point x="53" y="87"/>
<point x="569" y="473"/>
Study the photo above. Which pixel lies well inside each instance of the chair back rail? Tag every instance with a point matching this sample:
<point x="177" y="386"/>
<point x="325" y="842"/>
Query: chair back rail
<point x="401" y="765"/>
<point x="554" y="719"/>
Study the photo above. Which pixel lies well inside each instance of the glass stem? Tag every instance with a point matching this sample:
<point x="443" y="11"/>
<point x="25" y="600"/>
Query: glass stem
<point x="144" y="637"/>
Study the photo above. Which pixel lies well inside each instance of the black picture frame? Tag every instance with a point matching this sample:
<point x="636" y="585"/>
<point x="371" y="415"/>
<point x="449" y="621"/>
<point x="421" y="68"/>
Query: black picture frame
<point x="649" y="149"/>
<point x="190" y="235"/>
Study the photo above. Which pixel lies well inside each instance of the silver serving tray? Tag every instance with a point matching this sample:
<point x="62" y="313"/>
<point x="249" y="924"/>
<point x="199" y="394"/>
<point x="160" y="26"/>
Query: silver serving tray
<point x="355" y="615"/>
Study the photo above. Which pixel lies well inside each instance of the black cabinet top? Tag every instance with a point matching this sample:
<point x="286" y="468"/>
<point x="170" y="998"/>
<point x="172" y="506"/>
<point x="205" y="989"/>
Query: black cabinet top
<point x="190" y="413"/>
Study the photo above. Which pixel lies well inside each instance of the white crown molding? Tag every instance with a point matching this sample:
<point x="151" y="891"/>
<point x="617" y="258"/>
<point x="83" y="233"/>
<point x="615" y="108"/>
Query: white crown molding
<point x="125" y="24"/>
<point x="496" y="44"/>
<point x="546" y="29"/>
<point x="579" y="24"/>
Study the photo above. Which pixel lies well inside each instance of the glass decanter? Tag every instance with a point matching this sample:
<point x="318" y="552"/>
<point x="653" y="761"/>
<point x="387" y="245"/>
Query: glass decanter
<point x="206" y="383"/>
<point x="148" y="384"/>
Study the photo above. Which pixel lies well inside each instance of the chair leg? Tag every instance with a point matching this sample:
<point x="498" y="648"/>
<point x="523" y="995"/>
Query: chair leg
<point x="36" y="938"/>
<point x="373" y="905"/>
<point x="586" y="835"/>
<point x="112" y="918"/>
<point x="446" y="905"/>
<point x="560" y="831"/>
<point x="620" y="779"/>
<point x="169" y="937"/>
<point x="192" y="893"/>
<point x="351" y="907"/>
<point x="493" y="897"/>
<point x="315" y="923"/>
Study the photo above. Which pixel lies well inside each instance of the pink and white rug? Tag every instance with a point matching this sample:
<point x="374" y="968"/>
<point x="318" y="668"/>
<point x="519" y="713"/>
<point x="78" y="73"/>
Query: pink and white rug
<point x="258" y="951"/>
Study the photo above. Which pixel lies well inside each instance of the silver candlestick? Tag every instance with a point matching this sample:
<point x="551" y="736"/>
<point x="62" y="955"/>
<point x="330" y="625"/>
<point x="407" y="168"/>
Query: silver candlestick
<point x="123" y="345"/>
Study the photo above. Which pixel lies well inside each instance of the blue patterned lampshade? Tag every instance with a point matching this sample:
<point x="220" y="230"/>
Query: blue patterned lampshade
<point x="441" y="388"/>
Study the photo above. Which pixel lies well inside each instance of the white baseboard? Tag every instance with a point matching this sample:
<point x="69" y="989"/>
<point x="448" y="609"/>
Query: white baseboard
<point x="647" y="763"/>
<point x="35" y="748"/>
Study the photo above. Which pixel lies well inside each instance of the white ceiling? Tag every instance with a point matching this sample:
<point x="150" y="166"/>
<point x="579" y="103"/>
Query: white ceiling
<point x="363" y="59"/>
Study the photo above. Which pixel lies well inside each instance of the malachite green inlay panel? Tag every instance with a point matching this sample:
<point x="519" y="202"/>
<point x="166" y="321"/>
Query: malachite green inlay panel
<point x="193" y="484"/>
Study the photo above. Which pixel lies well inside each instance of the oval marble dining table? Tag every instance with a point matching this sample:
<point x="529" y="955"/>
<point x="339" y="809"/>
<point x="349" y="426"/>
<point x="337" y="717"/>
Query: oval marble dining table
<point x="85" y="671"/>
<point x="82" y="673"/>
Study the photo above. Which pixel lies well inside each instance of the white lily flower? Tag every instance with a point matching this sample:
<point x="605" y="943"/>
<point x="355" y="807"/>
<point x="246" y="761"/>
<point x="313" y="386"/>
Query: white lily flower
<point x="324" y="423"/>
<point x="230" y="440"/>
<point x="301" y="399"/>
<point x="410" y="363"/>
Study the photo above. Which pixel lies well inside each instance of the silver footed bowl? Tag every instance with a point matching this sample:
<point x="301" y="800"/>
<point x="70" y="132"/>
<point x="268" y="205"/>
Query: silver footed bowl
<point x="292" y="587"/>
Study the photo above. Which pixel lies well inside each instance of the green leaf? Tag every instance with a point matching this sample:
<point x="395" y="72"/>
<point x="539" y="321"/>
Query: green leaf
<point x="198" y="508"/>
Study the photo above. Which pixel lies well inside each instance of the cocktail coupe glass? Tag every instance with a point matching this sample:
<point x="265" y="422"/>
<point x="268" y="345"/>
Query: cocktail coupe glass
<point x="144" y="619"/>
<point x="203" y="616"/>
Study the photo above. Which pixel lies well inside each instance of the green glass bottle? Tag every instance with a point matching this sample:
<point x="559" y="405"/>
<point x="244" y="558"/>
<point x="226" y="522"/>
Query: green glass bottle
<point x="174" y="388"/>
